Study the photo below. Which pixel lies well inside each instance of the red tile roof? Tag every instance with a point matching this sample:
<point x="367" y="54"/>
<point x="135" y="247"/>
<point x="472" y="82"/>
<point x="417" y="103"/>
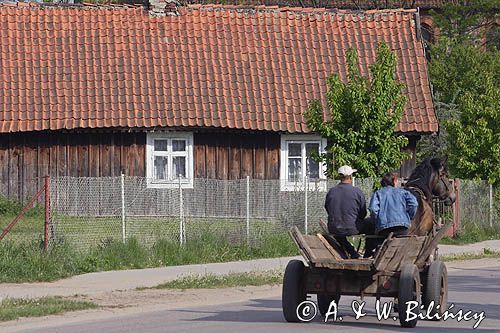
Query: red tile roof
<point x="98" y="67"/>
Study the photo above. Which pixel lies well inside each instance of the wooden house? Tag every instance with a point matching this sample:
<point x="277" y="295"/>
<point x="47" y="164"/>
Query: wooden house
<point x="211" y="92"/>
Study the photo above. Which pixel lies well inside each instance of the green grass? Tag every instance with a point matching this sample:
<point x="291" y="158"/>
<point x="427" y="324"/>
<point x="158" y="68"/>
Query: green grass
<point x="86" y="232"/>
<point x="31" y="225"/>
<point x="225" y="281"/>
<point x="27" y="262"/>
<point x="13" y="207"/>
<point x="86" y="244"/>
<point x="487" y="253"/>
<point x="473" y="233"/>
<point x="12" y="308"/>
<point x="92" y="244"/>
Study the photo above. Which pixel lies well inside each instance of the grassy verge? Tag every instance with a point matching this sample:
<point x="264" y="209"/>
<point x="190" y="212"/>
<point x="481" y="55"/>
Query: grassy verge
<point x="472" y="233"/>
<point x="487" y="253"/>
<point x="12" y="308"/>
<point x="224" y="281"/>
<point x="26" y="262"/>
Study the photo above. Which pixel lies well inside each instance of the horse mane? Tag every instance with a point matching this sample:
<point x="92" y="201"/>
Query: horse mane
<point x="419" y="178"/>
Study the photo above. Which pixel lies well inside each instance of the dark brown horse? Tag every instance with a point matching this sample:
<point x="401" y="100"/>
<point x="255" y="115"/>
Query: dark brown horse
<point x="429" y="181"/>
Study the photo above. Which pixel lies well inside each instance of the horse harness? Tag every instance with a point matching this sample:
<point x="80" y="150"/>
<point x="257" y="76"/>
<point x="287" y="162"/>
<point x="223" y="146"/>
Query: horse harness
<point x="436" y="223"/>
<point x="419" y="191"/>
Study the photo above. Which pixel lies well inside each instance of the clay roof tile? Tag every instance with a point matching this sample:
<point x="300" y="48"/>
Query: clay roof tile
<point x="98" y="66"/>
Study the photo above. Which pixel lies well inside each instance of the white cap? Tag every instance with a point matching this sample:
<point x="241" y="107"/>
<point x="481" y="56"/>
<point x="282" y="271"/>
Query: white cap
<point x="346" y="170"/>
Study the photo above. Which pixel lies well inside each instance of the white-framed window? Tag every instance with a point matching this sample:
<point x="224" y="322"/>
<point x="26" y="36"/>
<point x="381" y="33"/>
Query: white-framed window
<point x="297" y="164"/>
<point x="169" y="159"/>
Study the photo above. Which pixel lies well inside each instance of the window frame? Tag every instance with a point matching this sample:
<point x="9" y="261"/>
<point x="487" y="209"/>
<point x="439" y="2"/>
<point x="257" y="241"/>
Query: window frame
<point x="150" y="155"/>
<point x="285" y="183"/>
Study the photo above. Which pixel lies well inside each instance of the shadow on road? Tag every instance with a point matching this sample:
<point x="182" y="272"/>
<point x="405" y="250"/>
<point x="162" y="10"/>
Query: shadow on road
<point x="269" y="311"/>
<point x="439" y="327"/>
<point x="464" y="283"/>
<point x="475" y="283"/>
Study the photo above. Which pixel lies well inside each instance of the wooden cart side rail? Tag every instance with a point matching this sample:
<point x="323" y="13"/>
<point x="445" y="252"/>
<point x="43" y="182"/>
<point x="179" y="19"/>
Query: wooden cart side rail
<point x="329" y="247"/>
<point x="311" y="248"/>
<point x="324" y="226"/>
<point x="432" y="243"/>
<point x="378" y="257"/>
<point x="317" y="250"/>
<point x="300" y="242"/>
<point x="397" y="251"/>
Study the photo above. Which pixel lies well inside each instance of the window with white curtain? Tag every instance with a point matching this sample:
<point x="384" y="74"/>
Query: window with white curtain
<point x="169" y="160"/>
<point x="297" y="162"/>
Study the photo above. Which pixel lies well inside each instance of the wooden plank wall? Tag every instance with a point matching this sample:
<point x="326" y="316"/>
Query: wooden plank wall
<point x="236" y="155"/>
<point x="25" y="158"/>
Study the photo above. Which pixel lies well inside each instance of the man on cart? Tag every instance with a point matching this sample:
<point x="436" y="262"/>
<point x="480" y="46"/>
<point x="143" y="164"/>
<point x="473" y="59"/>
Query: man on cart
<point x="346" y="208"/>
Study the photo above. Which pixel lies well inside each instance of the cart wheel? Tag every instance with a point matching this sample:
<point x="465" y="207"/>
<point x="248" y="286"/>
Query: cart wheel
<point x="409" y="290"/>
<point x="436" y="289"/>
<point x="293" y="291"/>
<point x="324" y="302"/>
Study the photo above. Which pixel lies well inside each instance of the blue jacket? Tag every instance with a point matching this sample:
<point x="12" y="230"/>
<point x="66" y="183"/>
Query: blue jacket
<point x="392" y="207"/>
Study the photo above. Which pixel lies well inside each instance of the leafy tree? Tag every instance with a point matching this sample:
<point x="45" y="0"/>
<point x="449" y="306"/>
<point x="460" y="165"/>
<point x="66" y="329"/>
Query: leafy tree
<point x="475" y="152"/>
<point x="461" y="20"/>
<point x="460" y="63"/>
<point x="361" y="117"/>
<point x="455" y="69"/>
<point x="466" y="78"/>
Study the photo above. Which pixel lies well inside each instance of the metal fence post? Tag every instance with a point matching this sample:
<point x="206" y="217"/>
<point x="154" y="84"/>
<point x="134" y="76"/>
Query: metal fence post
<point x="306" y="188"/>
<point x="456" y="208"/>
<point x="181" y="215"/>
<point x="248" y="209"/>
<point x="122" y="185"/>
<point x="491" y="205"/>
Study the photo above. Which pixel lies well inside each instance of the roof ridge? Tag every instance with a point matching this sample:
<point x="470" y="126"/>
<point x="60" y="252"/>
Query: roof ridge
<point x="214" y="7"/>
<point x="304" y="10"/>
<point x="84" y="5"/>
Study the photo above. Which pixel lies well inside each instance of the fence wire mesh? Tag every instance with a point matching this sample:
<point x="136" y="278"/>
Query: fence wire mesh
<point x="88" y="212"/>
<point x="476" y="204"/>
<point x="91" y="211"/>
<point x="30" y="228"/>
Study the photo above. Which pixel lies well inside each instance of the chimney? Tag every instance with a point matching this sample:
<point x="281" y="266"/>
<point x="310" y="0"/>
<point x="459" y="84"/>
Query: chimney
<point x="163" y="7"/>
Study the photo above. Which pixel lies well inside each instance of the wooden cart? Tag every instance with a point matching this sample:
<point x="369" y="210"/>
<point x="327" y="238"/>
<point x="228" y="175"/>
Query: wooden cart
<point x="404" y="267"/>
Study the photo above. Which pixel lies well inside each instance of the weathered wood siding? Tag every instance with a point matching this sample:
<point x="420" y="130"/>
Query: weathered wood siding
<point x="237" y="155"/>
<point x="25" y="158"/>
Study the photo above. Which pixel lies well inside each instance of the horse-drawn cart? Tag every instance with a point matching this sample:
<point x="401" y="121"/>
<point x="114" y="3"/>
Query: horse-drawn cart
<point x="404" y="268"/>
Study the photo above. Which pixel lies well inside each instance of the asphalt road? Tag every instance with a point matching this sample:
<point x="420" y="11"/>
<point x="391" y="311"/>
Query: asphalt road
<point x="474" y="290"/>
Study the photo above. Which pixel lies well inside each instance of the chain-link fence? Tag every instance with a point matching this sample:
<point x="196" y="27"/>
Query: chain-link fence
<point x="23" y="220"/>
<point x="90" y="211"/>
<point x="477" y="203"/>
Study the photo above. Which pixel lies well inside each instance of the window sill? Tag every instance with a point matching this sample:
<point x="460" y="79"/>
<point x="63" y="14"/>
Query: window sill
<point x="312" y="186"/>
<point x="173" y="184"/>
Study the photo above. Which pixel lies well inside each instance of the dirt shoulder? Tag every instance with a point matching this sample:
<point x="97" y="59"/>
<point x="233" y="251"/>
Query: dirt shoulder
<point x="200" y="297"/>
<point x="130" y="302"/>
<point x="134" y="302"/>
<point x="169" y="298"/>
